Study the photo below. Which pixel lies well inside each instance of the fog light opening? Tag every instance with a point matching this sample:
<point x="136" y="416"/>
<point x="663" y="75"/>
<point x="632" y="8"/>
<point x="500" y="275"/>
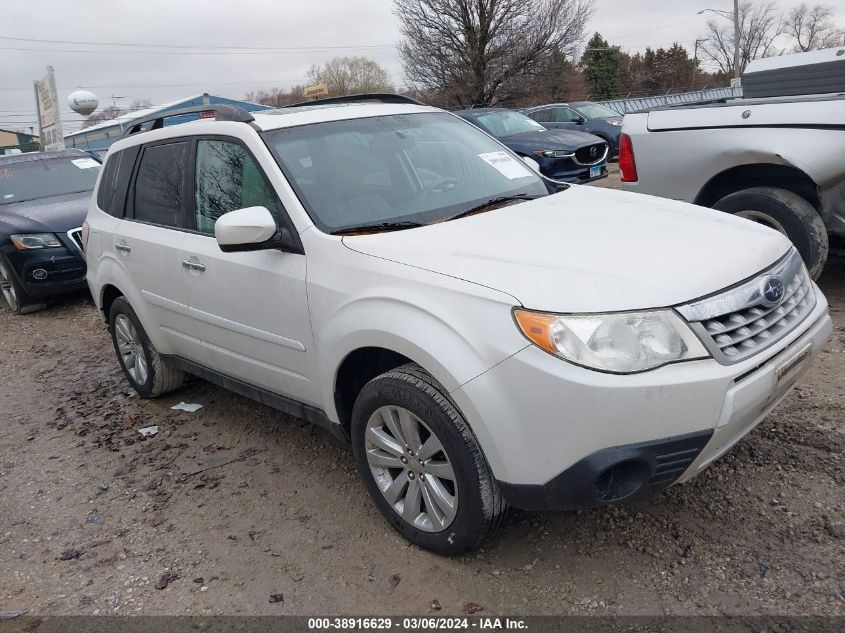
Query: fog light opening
<point x="621" y="481"/>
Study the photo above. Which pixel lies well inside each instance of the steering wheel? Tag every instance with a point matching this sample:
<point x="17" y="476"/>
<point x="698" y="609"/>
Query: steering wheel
<point x="441" y="184"/>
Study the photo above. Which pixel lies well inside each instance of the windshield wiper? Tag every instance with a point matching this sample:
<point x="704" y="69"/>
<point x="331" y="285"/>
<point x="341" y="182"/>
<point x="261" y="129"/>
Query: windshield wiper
<point x="492" y="202"/>
<point x="379" y="226"/>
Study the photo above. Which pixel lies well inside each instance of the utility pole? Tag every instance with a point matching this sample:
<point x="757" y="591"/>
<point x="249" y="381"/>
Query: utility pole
<point x="736" y="39"/>
<point x="695" y="61"/>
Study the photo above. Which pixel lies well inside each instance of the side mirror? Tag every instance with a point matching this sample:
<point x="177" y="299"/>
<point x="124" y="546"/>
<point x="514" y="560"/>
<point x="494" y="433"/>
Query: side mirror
<point x="249" y="229"/>
<point x="579" y="120"/>
<point x="533" y="164"/>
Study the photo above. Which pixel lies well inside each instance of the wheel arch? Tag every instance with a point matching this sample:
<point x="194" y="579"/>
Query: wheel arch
<point x="746" y="176"/>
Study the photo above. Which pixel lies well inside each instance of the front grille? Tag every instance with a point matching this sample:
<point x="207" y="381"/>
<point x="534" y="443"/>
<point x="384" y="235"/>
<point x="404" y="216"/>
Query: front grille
<point x="741" y="322"/>
<point x="76" y="236"/>
<point x="591" y="154"/>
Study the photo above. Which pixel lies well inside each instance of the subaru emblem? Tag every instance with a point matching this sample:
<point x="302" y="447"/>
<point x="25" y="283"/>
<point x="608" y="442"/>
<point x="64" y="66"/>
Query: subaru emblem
<point x="772" y="291"/>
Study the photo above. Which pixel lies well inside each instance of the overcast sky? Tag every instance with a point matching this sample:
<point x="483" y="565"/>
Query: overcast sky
<point x="312" y="31"/>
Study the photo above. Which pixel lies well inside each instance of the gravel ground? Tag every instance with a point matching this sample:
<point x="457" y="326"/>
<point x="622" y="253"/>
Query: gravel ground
<point x="235" y="503"/>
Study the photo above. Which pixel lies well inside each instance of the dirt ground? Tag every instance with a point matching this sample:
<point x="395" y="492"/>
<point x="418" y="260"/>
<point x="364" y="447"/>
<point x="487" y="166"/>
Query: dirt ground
<point x="235" y="503"/>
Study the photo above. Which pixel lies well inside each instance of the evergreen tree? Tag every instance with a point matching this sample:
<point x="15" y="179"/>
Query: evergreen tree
<point x="601" y="68"/>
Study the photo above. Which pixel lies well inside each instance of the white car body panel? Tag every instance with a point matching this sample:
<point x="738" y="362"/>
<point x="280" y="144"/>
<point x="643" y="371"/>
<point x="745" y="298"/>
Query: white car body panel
<point x="680" y="150"/>
<point x="589" y="250"/>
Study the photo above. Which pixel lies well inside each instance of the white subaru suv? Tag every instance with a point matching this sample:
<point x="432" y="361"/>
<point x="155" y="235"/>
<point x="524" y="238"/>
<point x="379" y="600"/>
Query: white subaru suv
<point x="391" y="273"/>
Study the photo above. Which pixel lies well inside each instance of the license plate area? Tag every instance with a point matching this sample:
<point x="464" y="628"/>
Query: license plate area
<point x="595" y="172"/>
<point x="790" y="367"/>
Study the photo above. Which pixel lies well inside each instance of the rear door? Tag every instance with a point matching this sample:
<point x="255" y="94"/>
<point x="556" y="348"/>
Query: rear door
<point x="147" y="242"/>
<point x="250" y="308"/>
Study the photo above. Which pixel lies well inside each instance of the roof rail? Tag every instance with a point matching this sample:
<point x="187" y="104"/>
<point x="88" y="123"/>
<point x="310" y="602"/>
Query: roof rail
<point x="222" y="112"/>
<point x="380" y="97"/>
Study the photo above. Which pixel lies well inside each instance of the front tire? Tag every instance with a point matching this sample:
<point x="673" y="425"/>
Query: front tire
<point x="138" y="357"/>
<point x="14" y="295"/>
<point x="421" y="463"/>
<point x="788" y="213"/>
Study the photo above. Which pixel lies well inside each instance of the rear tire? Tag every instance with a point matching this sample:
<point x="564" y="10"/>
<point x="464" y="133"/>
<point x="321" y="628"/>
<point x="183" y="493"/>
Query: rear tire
<point x="397" y="418"/>
<point x="138" y="357"/>
<point x="788" y="213"/>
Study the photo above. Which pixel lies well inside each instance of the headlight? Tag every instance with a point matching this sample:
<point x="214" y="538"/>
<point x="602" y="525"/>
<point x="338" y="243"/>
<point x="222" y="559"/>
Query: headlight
<point x="614" y="122"/>
<point x="549" y="153"/>
<point x="620" y="343"/>
<point x="35" y="240"/>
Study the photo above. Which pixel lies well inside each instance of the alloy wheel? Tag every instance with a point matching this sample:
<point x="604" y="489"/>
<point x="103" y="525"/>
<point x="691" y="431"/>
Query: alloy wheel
<point x="131" y="350"/>
<point x="8" y="289"/>
<point x="411" y="468"/>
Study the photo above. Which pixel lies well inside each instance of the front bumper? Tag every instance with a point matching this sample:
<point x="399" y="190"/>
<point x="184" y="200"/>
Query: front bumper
<point x="47" y="272"/>
<point x="547" y="427"/>
<point x="565" y="170"/>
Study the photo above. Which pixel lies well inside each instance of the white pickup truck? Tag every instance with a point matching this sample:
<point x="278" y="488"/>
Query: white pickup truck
<point x="776" y="156"/>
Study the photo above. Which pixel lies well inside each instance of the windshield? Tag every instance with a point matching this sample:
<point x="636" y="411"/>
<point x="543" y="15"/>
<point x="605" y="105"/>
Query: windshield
<point x="45" y="178"/>
<point x="507" y="123"/>
<point x="410" y="168"/>
<point x="597" y="111"/>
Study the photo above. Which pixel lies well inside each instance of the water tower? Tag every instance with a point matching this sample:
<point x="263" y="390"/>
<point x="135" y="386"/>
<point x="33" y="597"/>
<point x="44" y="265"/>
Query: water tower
<point x="83" y="102"/>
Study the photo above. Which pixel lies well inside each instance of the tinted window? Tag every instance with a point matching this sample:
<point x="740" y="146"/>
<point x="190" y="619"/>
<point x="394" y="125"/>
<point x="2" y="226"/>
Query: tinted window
<point x="228" y="178"/>
<point x="45" y="178"/>
<point x="159" y="184"/>
<point x="105" y="193"/>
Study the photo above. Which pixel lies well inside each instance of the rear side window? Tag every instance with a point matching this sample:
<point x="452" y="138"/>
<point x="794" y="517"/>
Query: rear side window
<point x="228" y="178"/>
<point x="106" y="191"/>
<point x="159" y="185"/>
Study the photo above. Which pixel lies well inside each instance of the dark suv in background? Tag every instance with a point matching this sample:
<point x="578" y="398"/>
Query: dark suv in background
<point x="563" y="155"/>
<point x="585" y="116"/>
<point x="43" y="201"/>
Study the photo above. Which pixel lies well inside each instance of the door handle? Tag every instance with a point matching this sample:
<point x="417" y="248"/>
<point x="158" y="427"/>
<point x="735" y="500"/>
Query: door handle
<point x="193" y="265"/>
<point x="123" y="247"/>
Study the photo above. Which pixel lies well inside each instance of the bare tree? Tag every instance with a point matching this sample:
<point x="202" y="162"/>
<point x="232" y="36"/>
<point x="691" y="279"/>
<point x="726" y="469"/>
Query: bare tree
<point x="113" y="112"/>
<point x="812" y="28"/>
<point x="277" y="97"/>
<point x="106" y="114"/>
<point x="759" y="26"/>
<point x="472" y="50"/>
<point x="351" y="75"/>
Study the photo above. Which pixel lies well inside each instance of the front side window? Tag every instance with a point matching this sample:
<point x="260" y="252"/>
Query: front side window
<point x="22" y="180"/>
<point x="565" y="115"/>
<point x="412" y="168"/>
<point x="543" y="116"/>
<point x="159" y="184"/>
<point x="228" y="178"/>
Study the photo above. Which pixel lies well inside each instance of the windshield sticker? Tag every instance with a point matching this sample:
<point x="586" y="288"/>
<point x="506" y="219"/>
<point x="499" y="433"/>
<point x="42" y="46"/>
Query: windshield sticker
<point x="8" y="196"/>
<point x="505" y="165"/>
<point x="85" y="163"/>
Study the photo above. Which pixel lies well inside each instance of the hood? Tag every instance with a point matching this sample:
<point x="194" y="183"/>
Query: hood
<point x="552" y="139"/>
<point x="589" y="250"/>
<point x="45" y="215"/>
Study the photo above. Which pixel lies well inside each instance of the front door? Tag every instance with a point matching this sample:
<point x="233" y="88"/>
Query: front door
<point x="250" y="308"/>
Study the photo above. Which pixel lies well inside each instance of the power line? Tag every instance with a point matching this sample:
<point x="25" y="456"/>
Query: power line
<point x="251" y="53"/>
<point x="188" y="46"/>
